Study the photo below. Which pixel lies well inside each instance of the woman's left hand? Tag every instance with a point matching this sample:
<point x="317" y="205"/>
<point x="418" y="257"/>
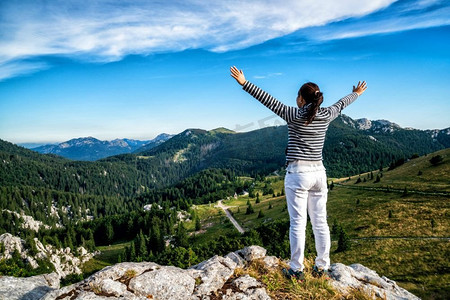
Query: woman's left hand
<point x="238" y="75"/>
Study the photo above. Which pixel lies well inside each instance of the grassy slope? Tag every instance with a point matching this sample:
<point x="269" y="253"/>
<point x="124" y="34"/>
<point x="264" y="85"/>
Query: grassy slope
<point x="432" y="179"/>
<point x="409" y="256"/>
<point x="390" y="231"/>
<point x="418" y="264"/>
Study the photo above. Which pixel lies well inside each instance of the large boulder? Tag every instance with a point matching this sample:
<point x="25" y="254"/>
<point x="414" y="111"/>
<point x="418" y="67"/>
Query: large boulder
<point x="30" y="288"/>
<point x="212" y="274"/>
<point x="358" y="277"/>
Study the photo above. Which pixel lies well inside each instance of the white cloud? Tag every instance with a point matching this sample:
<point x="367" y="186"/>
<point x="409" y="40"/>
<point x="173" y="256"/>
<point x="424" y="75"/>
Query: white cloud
<point x="405" y="18"/>
<point x="16" y="68"/>
<point x="104" y="30"/>
<point x="267" y="75"/>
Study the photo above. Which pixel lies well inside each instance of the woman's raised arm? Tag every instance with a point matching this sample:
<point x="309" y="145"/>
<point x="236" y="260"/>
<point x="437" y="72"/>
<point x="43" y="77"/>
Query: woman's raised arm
<point x="238" y="75"/>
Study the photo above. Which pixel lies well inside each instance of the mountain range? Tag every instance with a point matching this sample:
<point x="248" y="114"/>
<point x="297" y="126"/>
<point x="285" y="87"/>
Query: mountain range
<point x="382" y="131"/>
<point x="91" y="149"/>
<point x="351" y="147"/>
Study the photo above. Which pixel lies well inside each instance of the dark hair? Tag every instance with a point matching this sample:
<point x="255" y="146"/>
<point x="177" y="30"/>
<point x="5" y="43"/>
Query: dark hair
<point x="310" y="92"/>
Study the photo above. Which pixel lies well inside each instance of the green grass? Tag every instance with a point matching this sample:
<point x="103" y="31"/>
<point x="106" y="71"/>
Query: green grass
<point x="420" y="266"/>
<point x="372" y="213"/>
<point x="107" y="257"/>
<point x="213" y="223"/>
<point x="432" y="178"/>
<point x="417" y="264"/>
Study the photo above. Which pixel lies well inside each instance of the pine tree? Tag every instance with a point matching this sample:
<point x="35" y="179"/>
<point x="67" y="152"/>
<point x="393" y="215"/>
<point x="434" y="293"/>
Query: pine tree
<point x="109" y="232"/>
<point x="181" y="237"/>
<point x="344" y="242"/>
<point x="377" y="179"/>
<point x="198" y="225"/>
<point x="132" y="255"/>
<point x="261" y="214"/>
<point x="142" y="247"/>
<point x="250" y="210"/>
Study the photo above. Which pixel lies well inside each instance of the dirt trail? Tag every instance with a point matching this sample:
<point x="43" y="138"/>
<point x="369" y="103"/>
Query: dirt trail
<point x="232" y="219"/>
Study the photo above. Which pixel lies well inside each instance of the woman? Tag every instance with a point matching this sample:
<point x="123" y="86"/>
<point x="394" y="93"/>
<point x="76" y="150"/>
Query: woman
<point x="305" y="182"/>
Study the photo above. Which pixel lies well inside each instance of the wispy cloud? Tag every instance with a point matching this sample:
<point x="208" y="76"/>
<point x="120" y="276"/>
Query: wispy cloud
<point x="103" y="30"/>
<point x="267" y="75"/>
<point x="400" y="16"/>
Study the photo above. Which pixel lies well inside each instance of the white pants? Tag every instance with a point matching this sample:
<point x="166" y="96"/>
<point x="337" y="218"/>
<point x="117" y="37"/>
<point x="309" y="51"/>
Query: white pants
<point x="306" y="191"/>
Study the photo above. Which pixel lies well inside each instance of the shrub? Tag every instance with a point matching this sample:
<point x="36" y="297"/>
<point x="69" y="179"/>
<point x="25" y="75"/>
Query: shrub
<point x="435" y="160"/>
<point x="344" y="242"/>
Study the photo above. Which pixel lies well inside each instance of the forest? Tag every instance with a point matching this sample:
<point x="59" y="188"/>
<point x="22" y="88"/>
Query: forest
<point x="99" y="203"/>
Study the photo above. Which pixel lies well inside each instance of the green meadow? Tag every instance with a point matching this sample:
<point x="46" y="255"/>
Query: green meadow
<point x="400" y="233"/>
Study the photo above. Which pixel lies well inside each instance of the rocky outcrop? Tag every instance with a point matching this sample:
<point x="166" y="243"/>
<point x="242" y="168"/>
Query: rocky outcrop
<point x="34" y="287"/>
<point x="28" y="222"/>
<point x="64" y="261"/>
<point x="211" y="279"/>
<point x="215" y="278"/>
<point x="358" y="277"/>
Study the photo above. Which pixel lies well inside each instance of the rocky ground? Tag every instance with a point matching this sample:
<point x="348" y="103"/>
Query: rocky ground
<point x="64" y="261"/>
<point x="215" y="278"/>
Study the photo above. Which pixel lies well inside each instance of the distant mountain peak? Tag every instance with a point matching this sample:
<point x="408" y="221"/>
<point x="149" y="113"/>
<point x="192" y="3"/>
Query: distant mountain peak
<point x="222" y="130"/>
<point x="90" y="148"/>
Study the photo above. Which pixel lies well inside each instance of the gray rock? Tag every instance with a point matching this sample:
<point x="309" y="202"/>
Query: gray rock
<point x="63" y="260"/>
<point x="245" y="282"/>
<point x="258" y="294"/>
<point x="213" y="273"/>
<point x="111" y="287"/>
<point x="205" y="281"/>
<point x="11" y="243"/>
<point x="271" y="261"/>
<point x="123" y="270"/>
<point x="52" y="279"/>
<point x="90" y="296"/>
<point x="108" y="281"/>
<point x="165" y="283"/>
<point x="359" y="277"/>
<point x="248" y="288"/>
<point x="29" y="288"/>
<point x="238" y="259"/>
<point x="253" y="252"/>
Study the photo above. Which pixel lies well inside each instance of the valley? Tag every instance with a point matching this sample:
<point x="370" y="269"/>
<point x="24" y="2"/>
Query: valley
<point x="404" y="237"/>
<point x="388" y="202"/>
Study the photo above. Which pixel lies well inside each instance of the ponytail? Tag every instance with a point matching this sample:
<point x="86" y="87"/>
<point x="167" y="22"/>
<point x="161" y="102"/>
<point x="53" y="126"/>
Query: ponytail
<point x="311" y="94"/>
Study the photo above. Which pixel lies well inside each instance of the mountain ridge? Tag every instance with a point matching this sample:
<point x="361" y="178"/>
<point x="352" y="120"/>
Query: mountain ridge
<point x="91" y="149"/>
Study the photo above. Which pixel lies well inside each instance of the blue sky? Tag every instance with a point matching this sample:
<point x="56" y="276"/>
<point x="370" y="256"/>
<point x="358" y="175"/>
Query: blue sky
<point x="134" y="69"/>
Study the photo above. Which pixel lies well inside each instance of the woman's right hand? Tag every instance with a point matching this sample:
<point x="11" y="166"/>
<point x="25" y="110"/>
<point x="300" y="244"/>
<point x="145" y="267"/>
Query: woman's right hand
<point x="238" y="75"/>
<point x="360" y="88"/>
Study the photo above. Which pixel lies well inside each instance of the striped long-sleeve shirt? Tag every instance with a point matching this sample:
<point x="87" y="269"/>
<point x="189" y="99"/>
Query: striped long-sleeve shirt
<point x="305" y="142"/>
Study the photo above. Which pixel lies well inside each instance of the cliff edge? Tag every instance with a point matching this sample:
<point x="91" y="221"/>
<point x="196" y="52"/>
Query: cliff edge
<point x="243" y="274"/>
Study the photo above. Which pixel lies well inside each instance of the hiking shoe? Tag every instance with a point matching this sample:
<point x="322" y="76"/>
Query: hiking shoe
<point x="320" y="273"/>
<point x="291" y="274"/>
